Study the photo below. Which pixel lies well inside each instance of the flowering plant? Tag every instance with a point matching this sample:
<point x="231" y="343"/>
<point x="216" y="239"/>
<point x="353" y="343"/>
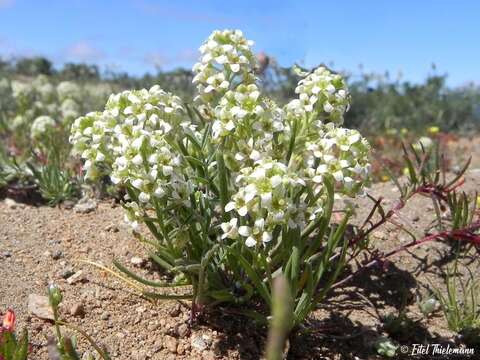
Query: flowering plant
<point x="235" y="189"/>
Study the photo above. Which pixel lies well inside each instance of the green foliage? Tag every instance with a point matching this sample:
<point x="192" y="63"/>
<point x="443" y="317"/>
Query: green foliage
<point x="34" y="66"/>
<point x="65" y="348"/>
<point x="461" y="305"/>
<point x="382" y="104"/>
<point x="54" y="184"/>
<point x="386" y="347"/>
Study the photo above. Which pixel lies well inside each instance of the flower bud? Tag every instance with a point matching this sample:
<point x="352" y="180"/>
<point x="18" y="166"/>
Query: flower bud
<point x="55" y="297"/>
<point x="9" y="321"/>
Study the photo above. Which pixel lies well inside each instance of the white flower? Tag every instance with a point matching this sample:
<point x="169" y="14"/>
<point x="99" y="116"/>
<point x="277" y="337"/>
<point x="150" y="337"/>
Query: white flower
<point x="41" y="126"/>
<point x="322" y="92"/>
<point x="230" y="229"/>
<point x="224" y="52"/>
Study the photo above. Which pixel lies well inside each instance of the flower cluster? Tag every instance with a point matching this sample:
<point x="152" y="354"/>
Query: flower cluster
<point x="68" y="90"/>
<point x="273" y="161"/>
<point x="130" y="138"/>
<point x="226" y="59"/>
<point x="262" y="196"/>
<point x="341" y="153"/>
<point x="41" y="126"/>
<point x="323" y="93"/>
<point x="62" y="102"/>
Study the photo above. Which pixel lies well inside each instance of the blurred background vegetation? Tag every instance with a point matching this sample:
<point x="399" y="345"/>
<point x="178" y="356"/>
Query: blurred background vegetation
<point x="36" y="97"/>
<point x="380" y="102"/>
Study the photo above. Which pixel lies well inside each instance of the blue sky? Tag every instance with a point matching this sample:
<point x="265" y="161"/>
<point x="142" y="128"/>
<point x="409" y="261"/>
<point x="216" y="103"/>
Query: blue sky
<point x="137" y="35"/>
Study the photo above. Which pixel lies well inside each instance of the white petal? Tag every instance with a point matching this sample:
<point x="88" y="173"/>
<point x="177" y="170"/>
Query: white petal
<point x="244" y="230"/>
<point x="250" y="242"/>
<point x="266" y="237"/>
<point x="230" y="206"/>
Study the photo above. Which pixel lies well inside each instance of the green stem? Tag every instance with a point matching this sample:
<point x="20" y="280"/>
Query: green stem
<point x="92" y="342"/>
<point x="222" y="181"/>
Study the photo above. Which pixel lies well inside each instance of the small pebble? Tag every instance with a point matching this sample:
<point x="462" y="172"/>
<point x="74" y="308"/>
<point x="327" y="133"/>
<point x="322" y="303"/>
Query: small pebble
<point x="137" y="261"/>
<point x="171" y="344"/>
<point x="77" y="309"/>
<point x="198" y="343"/>
<point x="180" y="349"/>
<point x="85" y="205"/>
<point x="76" y="278"/>
<point x="182" y="330"/>
<point x="111" y="228"/>
<point x="176" y="311"/>
<point x="57" y="255"/>
<point x="66" y="273"/>
<point x="39" y="306"/>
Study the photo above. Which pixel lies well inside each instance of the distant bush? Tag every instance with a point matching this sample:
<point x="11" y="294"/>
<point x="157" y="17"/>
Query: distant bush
<point x="380" y="102"/>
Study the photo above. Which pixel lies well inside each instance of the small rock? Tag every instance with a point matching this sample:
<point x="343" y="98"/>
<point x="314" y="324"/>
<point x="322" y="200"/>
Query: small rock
<point x="379" y="235"/>
<point x="6" y="254"/>
<point x="171" y="344"/>
<point x="12" y="204"/>
<point x="57" y="255"/>
<point x="180" y="349"/>
<point x="416" y="218"/>
<point x="208" y="339"/>
<point x="176" y="311"/>
<point x="77" y="309"/>
<point x="112" y="228"/>
<point x="66" y="273"/>
<point x="208" y="355"/>
<point x="39" y="306"/>
<point x="182" y="330"/>
<point x="68" y="204"/>
<point x="105" y="316"/>
<point x="85" y="205"/>
<point x="198" y="343"/>
<point x="76" y="278"/>
<point x="137" y="261"/>
<point x="47" y="253"/>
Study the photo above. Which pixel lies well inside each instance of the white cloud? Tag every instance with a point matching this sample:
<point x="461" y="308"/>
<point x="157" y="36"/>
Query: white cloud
<point x="83" y="51"/>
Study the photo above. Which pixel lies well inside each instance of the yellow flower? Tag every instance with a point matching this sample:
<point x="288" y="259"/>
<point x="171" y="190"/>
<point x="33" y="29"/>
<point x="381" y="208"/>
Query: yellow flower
<point x="478" y="201"/>
<point x="433" y="130"/>
<point x="404" y="131"/>
<point x="385" y="178"/>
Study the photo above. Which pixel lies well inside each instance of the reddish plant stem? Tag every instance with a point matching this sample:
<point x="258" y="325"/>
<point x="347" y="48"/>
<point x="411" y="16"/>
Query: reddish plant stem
<point x="461" y="234"/>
